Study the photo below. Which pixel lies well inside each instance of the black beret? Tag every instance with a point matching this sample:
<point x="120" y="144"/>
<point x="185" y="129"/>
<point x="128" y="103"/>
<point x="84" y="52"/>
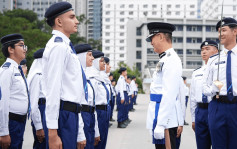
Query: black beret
<point x="133" y="77"/>
<point x="122" y="69"/>
<point x="113" y="80"/>
<point x="209" y="43"/>
<point x="57" y="9"/>
<point x="11" y="38"/>
<point x="106" y="60"/>
<point x="111" y="74"/>
<point x="39" y="53"/>
<point x="23" y="62"/>
<point x="226" y="22"/>
<point x="80" y="48"/>
<point x="128" y="77"/>
<point x="184" y="78"/>
<point x="159" y="27"/>
<point x="97" y="54"/>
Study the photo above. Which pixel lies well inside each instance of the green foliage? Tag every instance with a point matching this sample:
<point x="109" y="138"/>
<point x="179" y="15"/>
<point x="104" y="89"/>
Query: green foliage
<point x="20" y="13"/>
<point x="130" y="72"/>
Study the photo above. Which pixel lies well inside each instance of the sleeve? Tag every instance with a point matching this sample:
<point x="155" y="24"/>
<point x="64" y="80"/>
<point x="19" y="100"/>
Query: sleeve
<point x="193" y="103"/>
<point x="132" y="88"/>
<point x="80" y="134"/>
<point x="170" y="89"/>
<point x="97" y="132"/>
<point x="5" y="85"/>
<point x="34" y="97"/>
<point x="53" y="76"/>
<point x="121" y="84"/>
<point x="179" y="111"/>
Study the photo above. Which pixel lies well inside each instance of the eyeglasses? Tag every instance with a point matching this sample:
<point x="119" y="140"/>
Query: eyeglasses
<point x="22" y="45"/>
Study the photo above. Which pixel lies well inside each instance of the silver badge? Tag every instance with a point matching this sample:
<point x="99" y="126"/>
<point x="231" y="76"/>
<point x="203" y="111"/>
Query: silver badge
<point x="222" y="23"/>
<point x="206" y="43"/>
<point x="159" y="66"/>
<point x="168" y="54"/>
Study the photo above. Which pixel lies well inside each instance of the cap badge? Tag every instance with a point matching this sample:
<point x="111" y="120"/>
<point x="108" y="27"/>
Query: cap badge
<point x="206" y="43"/>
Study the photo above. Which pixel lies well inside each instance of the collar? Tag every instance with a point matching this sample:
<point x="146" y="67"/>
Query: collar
<point x="60" y="34"/>
<point x="12" y="62"/>
<point x="166" y="52"/>
<point x="234" y="50"/>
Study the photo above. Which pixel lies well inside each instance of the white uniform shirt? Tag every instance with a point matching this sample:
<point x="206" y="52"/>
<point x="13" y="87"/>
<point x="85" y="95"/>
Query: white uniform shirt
<point x="62" y="76"/>
<point x="196" y="90"/>
<point x="100" y="92"/>
<point x="133" y="86"/>
<point x="166" y="81"/>
<point x="180" y="103"/>
<point x="14" y="96"/>
<point x="209" y="89"/>
<point x="121" y="86"/>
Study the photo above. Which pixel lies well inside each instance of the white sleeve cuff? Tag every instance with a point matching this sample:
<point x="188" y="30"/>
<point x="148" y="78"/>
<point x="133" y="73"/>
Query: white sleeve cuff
<point x="4" y="131"/>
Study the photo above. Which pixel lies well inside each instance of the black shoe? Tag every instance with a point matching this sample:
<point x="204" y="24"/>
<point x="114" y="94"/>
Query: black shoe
<point x="111" y="120"/>
<point x="121" y="125"/>
<point x="110" y="124"/>
<point x="135" y="104"/>
<point x="116" y="109"/>
<point x="185" y="123"/>
<point x="125" y="122"/>
<point x="129" y="121"/>
<point x="132" y="110"/>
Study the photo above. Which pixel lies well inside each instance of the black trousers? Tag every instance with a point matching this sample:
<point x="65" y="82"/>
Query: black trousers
<point x="173" y="134"/>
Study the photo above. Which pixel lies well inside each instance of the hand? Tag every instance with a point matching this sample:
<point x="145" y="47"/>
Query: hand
<point x="97" y="140"/>
<point x="129" y="101"/>
<point x="81" y="145"/>
<point x="54" y="140"/>
<point x="5" y="141"/>
<point x="40" y="135"/>
<point x="159" y="132"/>
<point x="193" y="126"/>
<point x="179" y="131"/>
<point x="122" y="101"/>
<point x="132" y="95"/>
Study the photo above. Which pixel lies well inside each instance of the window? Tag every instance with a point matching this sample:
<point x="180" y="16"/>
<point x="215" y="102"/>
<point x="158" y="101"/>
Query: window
<point x="177" y="13"/>
<point x="150" y="51"/>
<point x="107" y="6"/>
<point x="179" y="28"/>
<point x="107" y="20"/>
<point x="122" y="6"/>
<point x="177" y="39"/>
<point x="194" y="40"/>
<point x="177" y="6"/>
<point x="138" y="54"/>
<point x="145" y="6"/>
<point x="122" y="20"/>
<point x="130" y="13"/>
<point x="168" y="13"/>
<point x="139" y="32"/>
<point x="121" y="26"/>
<point x="139" y="43"/>
<point x="210" y="28"/>
<point x="107" y="12"/>
<point x="192" y="6"/>
<point x="234" y="8"/>
<point x="192" y="13"/>
<point x="168" y="6"/>
<point x="107" y="34"/>
<point x="121" y="55"/>
<point x="194" y="28"/>
<point x="121" y="48"/>
<point x="122" y="13"/>
<point x="107" y="48"/>
<point x="199" y="28"/>
<point x="189" y="52"/>
<point x="107" y="41"/>
<point x="107" y="27"/>
<point x="179" y="51"/>
<point x="130" y="6"/>
<point x="107" y="55"/>
<point x="154" y="12"/>
<point x="121" y="41"/>
<point x="121" y="34"/>
<point x="139" y="66"/>
<point x="154" y="6"/>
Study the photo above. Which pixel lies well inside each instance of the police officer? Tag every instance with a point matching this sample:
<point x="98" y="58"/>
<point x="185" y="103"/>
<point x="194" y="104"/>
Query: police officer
<point x="165" y="85"/>
<point x="221" y="70"/>
<point x="14" y="98"/>
<point x="63" y="78"/>
<point x="38" y="101"/>
<point x="121" y="97"/>
<point x="198" y="101"/>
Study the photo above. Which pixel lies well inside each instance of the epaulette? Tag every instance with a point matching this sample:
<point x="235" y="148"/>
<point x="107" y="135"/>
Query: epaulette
<point x="39" y="73"/>
<point x="197" y="68"/>
<point x="58" y="39"/>
<point x="214" y="55"/>
<point x="6" y="65"/>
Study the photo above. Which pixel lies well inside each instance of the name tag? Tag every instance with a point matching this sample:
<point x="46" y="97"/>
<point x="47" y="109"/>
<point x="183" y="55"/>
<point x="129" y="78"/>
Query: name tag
<point x="199" y="75"/>
<point x="222" y="62"/>
<point x="17" y="74"/>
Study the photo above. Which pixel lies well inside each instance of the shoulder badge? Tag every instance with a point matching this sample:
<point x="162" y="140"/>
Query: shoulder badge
<point x="197" y="68"/>
<point x="214" y="55"/>
<point x="58" y="39"/>
<point x="39" y="73"/>
<point x="159" y="66"/>
<point x="6" y="65"/>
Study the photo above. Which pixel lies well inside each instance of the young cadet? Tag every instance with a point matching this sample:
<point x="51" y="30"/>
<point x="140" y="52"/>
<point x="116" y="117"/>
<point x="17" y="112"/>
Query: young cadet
<point x="112" y="101"/>
<point x="63" y="78"/>
<point x="121" y="97"/>
<point x="133" y="90"/>
<point x="165" y="85"/>
<point x="222" y="110"/>
<point x="127" y="101"/>
<point x="101" y="96"/>
<point x="113" y="82"/>
<point x="24" y="66"/>
<point x="14" y="97"/>
<point x="186" y="89"/>
<point x="84" y="53"/>
<point x="37" y="99"/>
<point x="198" y="101"/>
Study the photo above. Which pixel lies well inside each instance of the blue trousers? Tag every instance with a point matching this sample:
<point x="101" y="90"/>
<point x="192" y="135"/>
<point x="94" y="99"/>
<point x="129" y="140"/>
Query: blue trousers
<point x="121" y="109"/>
<point x="126" y="107"/>
<point x="222" y="121"/>
<point x="44" y="144"/>
<point x="178" y="141"/>
<point x="103" y="124"/>
<point x="68" y="129"/>
<point x="16" y="132"/>
<point x="112" y="102"/>
<point x="202" y="133"/>
<point x="135" y="99"/>
<point x="89" y="129"/>
<point x="186" y="101"/>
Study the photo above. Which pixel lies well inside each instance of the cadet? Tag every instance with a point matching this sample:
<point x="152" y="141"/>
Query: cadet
<point x="198" y="101"/>
<point x="165" y="85"/>
<point x="186" y="89"/>
<point x="133" y="88"/>
<point x="84" y="53"/>
<point x="113" y="82"/>
<point x="14" y="97"/>
<point x="38" y="101"/>
<point x="128" y="101"/>
<point x="112" y="101"/>
<point x="63" y="78"/>
<point x="121" y="97"/>
<point x="222" y="109"/>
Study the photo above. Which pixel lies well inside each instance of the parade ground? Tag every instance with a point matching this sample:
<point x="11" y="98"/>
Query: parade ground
<point x="135" y="136"/>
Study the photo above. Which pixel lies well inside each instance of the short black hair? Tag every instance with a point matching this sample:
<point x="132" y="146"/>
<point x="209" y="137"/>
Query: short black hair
<point x="5" y="48"/>
<point x="51" y="22"/>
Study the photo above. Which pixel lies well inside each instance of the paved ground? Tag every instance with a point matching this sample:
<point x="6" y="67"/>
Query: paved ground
<point x="135" y="136"/>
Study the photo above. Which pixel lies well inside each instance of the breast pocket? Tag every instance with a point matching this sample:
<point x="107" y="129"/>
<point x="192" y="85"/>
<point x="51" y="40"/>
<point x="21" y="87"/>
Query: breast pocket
<point x="73" y="64"/>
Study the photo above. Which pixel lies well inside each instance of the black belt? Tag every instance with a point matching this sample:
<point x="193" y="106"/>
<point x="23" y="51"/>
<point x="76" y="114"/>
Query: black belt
<point x="203" y="105"/>
<point x="42" y="101"/>
<point x="101" y="107"/>
<point x="70" y="106"/>
<point x="17" y="117"/>
<point x="224" y="99"/>
<point x="86" y="108"/>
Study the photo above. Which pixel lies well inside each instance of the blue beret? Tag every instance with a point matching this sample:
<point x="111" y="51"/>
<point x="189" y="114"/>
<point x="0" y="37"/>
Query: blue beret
<point x="113" y="80"/>
<point x="57" y="9"/>
<point x="111" y="74"/>
<point x="226" y="22"/>
<point x="39" y="53"/>
<point x="11" y="38"/>
<point x="23" y="62"/>
<point x="159" y="27"/>
<point x="128" y="77"/>
<point x="80" y="48"/>
<point x="97" y="54"/>
<point x="209" y="43"/>
<point x="184" y="78"/>
<point x="106" y="60"/>
<point x="122" y="69"/>
<point x="133" y="77"/>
